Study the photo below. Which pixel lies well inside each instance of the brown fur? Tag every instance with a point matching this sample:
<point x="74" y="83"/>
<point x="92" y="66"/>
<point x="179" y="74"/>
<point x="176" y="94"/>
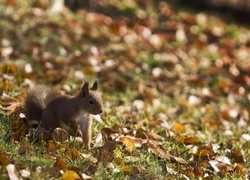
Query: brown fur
<point x="53" y="110"/>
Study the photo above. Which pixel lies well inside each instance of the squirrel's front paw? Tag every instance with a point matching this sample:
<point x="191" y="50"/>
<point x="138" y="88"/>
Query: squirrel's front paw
<point x="42" y="134"/>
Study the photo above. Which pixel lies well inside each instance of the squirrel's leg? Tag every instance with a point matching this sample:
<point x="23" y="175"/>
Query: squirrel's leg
<point x="86" y="129"/>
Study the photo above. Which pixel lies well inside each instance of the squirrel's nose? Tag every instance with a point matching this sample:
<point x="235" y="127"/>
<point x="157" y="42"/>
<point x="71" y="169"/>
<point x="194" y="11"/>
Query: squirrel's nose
<point x="100" y="111"/>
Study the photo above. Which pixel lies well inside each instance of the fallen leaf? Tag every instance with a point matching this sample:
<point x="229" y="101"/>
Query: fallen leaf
<point x="198" y="171"/>
<point x="70" y="175"/>
<point x="223" y="169"/>
<point x="21" y="131"/>
<point x="237" y="156"/>
<point x="140" y="133"/>
<point x="72" y="153"/>
<point x="186" y="139"/>
<point x="117" y="128"/>
<point x="154" y="136"/>
<point x="153" y="147"/>
<point x="239" y="169"/>
<point x="60" y="164"/>
<point x="60" y="135"/>
<point x="52" y="146"/>
<point x="223" y="159"/>
<point x="178" y="128"/>
<point x="204" y="153"/>
<point x="105" y="155"/>
<point x="178" y="160"/>
<point x="107" y="132"/>
<point x="183" y="102"/>
<point x="4" y="159"/>
<point x="128" y="143"/>
<point x="26" y="149"/>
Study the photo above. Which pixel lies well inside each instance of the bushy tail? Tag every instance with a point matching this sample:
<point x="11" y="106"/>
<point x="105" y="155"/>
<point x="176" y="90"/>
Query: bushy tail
<point x="36" y="101"/>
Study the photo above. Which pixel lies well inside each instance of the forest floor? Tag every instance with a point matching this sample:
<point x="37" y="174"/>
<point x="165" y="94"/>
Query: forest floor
<point x="175" y="83"/>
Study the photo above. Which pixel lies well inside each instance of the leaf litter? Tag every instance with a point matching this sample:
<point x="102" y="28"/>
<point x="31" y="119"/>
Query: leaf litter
<point x="175" y="87"/>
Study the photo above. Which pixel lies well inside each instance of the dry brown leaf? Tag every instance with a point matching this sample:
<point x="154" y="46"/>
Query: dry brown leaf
<point x="110" y="145"/>
<point x="72" y="153"/>
<point x="12" y="108"/>
<point x="204" y="153"/>
<point x="120" y="84"/>
<point x="140" y="133"/>
<point x="26" y="148"/>
<point x="239" y="169"/>
<point x="153" y="124"/>
<point x="16" y="124"/>
<point x="153" y="147"/>
<point x="223" y="169"/>
<point x="224" y="84"/>
<point x="179" y="160"/>
<point x="224" y="113"/>
<point x="117" y="128"/>
<point x="104" y="152"/>
<point x="4" y="159"/>
<point x="198" y="171"/>
<point x="9" y="68"/>
<point x="107" y="131"/>
<point x="21" y="131"/>
<point x="60" y="135"/>
<point x="10" y="2"/>
<point x="237" y="156"/>
<point x="105" y="155"/>
<point x="52" y="146"/>
<point x="60" y="164"/>
<point x="154" y="136"/>
<point x="88" y="70"/>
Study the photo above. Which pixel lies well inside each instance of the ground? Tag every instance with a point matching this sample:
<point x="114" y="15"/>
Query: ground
<point x="174" y="81"/>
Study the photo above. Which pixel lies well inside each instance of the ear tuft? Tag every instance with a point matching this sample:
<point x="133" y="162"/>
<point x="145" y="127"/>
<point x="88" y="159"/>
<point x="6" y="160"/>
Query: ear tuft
<point x="95" y="86"/>
<point x="85" y="89"/>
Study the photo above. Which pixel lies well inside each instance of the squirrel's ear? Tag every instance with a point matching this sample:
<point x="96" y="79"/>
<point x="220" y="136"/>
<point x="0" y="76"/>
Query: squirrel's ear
<point x="85" y="89"/>
<point x="95" y="86"/>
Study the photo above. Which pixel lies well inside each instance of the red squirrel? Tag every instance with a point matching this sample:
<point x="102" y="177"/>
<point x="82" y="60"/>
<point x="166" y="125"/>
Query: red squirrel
<point x="51" y="109"/>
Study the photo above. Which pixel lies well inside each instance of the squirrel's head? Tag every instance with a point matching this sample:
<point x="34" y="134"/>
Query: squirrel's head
<point x="90" y="99"/>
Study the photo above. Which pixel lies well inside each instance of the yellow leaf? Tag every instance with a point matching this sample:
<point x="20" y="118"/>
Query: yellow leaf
<point x="117" y="153"/>
<point x="70" y="175"/>
<point x="128" y="143"/>
<point x="188" y="140"/>
<point x="178" y="128"/>
<point x="240" y="169"/>
<point x="52" y="146"/>
<point x="183" y="102"/>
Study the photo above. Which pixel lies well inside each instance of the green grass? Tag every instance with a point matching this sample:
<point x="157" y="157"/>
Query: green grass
<point x="38" y="39"/>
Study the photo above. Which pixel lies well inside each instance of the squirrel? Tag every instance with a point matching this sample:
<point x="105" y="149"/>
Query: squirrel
<point x="51" y="110"/>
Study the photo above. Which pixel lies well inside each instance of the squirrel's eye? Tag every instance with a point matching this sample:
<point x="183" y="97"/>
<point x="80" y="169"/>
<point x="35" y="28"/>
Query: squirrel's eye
<point x="91" y="101"/>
